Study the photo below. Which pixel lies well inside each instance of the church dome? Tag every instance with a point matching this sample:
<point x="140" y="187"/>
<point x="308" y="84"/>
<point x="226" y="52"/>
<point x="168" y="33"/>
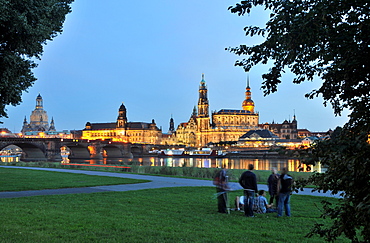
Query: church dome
<point x="248" y="105"/>
<point x="248" y="102"/>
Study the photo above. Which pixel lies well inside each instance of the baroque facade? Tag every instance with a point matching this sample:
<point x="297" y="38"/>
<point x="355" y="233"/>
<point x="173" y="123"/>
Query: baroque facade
<point x="203" y="128"/>
<point x="124" y="131"/>
<point x="223" y="125"/>
<point x="285" y="130"/>
<point x="38" y="119"/>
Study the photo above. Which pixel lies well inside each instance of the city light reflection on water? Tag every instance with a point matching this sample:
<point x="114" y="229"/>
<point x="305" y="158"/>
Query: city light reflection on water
<point x="230" y="163"/>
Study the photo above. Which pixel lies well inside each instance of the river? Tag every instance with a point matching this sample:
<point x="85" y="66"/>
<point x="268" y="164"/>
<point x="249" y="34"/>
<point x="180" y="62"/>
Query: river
<point x="230" y="163"/>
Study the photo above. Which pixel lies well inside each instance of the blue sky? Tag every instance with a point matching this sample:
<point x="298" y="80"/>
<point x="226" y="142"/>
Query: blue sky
<point x="151" y="56"/>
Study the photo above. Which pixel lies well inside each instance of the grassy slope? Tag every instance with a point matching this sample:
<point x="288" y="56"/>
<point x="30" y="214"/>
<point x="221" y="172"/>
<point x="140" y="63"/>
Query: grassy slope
<point x="156" y="215"/>
<point x="21" y="180"/>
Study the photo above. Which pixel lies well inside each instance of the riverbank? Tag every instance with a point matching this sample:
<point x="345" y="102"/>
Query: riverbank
<point x="152" y="182"/>
<point x="181" y="172"/>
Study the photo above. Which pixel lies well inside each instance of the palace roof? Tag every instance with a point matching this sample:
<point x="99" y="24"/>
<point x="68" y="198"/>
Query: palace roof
<point x="102" y="126"/>
<point x="113" y="125"/>
<point x="264" y="134"/>
<point x="232" y="112"/>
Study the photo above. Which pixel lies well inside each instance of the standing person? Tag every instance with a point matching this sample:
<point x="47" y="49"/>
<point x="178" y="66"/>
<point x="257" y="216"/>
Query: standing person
<point x="272" y="182"/>
<point x="220" y="181"/>
<point x="248" y="181"/>
<point x="284" y="189"/>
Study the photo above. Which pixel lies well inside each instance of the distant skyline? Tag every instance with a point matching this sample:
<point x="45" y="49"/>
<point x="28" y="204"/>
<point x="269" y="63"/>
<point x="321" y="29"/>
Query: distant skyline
<point x="150" y="55"/>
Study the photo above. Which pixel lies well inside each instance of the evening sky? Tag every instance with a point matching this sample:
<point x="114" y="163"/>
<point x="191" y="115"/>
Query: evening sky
<point x="151" y="56"/>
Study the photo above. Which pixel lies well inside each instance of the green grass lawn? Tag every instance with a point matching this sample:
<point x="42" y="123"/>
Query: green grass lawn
<point x="22" y="180"/>
<point x="181" y="214"/>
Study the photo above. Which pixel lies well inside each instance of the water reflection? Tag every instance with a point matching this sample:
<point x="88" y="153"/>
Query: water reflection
<point x="9" y="158"/>
<point x="230" y="163"/>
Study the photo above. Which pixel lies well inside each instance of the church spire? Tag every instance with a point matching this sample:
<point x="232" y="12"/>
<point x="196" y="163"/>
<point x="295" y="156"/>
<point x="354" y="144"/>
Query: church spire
<point x="52" y="126"/>
<point x="248" y="103"/>
<point x="248" y="80"/>
<point x="194" y="111"/>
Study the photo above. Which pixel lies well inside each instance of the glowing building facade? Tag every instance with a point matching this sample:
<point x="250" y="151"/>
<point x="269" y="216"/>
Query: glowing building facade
<point x="38" y="119"/>
<point x="39" y="127"/>
<point x="285" y="130"/>
<point x="123" y="131"/>
<point x="223" y="125"/>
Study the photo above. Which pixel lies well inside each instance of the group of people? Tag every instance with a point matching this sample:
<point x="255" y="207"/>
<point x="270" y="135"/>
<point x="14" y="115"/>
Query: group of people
<point x="279" y="187"/>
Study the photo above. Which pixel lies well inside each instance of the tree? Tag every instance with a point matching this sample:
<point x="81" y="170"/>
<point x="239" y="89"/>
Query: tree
<point x="330" y="40"/>
<point x="25" y="26"/>
<point x="347" y="156"/>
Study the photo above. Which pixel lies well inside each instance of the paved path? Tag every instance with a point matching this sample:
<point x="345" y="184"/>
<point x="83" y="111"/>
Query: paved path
<point x="156" y="182"/>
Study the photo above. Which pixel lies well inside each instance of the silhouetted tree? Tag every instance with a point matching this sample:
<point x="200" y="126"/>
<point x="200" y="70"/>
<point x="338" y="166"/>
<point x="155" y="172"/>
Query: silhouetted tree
<point x="329" y="39"/>
<point x="25" y="26"/>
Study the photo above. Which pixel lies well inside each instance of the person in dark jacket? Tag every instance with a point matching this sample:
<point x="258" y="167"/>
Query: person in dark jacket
<point x="272" y="182"/>
<point x="248" y="181"/>
<point x="285" y="183"/>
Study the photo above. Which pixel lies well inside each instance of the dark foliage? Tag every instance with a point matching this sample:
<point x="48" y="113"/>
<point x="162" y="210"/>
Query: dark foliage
<point x="331" y="40"/>
<point x="25" y="26"/>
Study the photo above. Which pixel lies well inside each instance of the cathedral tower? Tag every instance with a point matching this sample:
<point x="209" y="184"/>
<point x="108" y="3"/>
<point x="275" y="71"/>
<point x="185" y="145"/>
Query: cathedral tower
<point x="203" y="106"/>
<point x="248" y="103"/>
<point x="172" y="126"/>
<point x="203" y="119"/>
<point x="122" y="117"/>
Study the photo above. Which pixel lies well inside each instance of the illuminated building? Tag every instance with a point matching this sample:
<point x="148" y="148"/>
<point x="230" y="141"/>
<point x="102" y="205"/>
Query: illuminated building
<point x="38" y="119"/>
<point x="124" y="131"/>
<point x="285" y="130"/>
<point x="4" y="132"/>
<point x="39" y="126"/>
<point x="223" y="125"/>
<point x="47" y="134"/>
<point x="258" y="138"/>
<point x="265" y="138"/>
<point x="186" y="132"/>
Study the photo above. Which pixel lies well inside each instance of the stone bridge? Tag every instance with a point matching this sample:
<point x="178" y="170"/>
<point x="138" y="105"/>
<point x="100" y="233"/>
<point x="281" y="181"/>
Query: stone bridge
<point x="49" y="149"/>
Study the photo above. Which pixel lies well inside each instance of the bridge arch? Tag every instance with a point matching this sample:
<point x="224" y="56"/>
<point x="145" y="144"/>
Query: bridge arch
<point x="112" y="151"/>
<point x="77" y="151"/>
<point x="30" y="152"/>
<point x="136" y="149"/>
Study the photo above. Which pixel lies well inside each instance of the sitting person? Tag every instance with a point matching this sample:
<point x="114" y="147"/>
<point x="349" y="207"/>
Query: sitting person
<point x="239" y="203"/>
<point x="261" y="205"/>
